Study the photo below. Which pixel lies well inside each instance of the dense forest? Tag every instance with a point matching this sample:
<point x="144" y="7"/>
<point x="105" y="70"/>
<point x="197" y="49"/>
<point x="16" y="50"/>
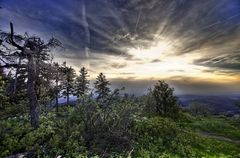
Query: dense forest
<point x="103" y="122"/>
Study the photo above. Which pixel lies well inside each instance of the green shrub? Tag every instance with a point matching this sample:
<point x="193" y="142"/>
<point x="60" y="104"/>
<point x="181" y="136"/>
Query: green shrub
<point x="162" y="102"/>
<point x="11" y="131"/>
<point x="118" y="131"/>
<point x="107" y="128"/>
<point x="158" y="135"/>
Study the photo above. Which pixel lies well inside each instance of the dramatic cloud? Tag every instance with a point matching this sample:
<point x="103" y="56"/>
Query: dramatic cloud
<point x="182" y="85"/>
<point x="229" y="61"/>
<point x="153" y="39"/>
<point x="155" y="61"/>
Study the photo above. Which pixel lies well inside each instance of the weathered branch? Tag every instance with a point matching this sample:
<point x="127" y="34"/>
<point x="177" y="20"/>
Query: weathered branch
<point x="12" y="65"/>
<point x="12" y="38"/>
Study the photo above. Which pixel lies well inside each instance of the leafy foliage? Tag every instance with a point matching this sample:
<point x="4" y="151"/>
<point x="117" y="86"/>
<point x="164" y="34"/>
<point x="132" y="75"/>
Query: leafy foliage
<point x="107" y="124"/>
<point x="220" y="126"/>
<point x="7" y="108"/>
<point x="103" y="127"/>
<point x="160" y="137"/>
<point x="162" y="100"/>
<point x="3" y="97"/>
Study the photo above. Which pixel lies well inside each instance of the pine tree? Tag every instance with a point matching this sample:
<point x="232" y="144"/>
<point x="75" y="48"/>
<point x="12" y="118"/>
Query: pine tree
<point x="17" y="86"/>
<point x="68" y="80"/>
<point x="82" y="83"/>
<point x="101" y="86"/>
<point x="57" y="77"/>
<point x="33" y="54"/>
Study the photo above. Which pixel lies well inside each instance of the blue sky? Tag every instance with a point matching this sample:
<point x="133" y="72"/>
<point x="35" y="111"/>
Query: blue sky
<point x="193" y="44"/>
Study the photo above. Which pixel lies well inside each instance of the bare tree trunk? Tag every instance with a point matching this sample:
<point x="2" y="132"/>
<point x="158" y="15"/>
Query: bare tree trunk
<point x="164" y="106"/>
<point x="33" y="102"/>
<point x="158" y="108"/>
<point x="16" y="80"/>
<point x="56" y="92"/>
<point x="56" y="104"/>
<point x="37" y="80"/>
<point x="67" y="96"/>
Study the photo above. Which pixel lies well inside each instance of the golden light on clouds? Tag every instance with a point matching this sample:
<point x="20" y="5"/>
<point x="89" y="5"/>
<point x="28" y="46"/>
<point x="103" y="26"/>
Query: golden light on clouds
<point x="160" y="62"/>
<point x="188" y="41"/>
<point x="156" y="51"/>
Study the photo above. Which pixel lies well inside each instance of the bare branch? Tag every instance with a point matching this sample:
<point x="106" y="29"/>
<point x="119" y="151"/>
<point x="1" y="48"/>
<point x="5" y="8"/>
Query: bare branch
<point x="12" y="65"/>
<point x="12" y="40"/>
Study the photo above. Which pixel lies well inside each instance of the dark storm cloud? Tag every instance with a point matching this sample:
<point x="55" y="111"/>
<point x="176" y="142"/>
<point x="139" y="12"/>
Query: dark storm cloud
<point x="65" y="21"/>
<point x="115" y="25"/>
<point x="156" y="61"/>
<point x="230" y="61"/>
<point x="110" y="27"/>
<point x="117" y="66"/>
<point x="228" y="72"/>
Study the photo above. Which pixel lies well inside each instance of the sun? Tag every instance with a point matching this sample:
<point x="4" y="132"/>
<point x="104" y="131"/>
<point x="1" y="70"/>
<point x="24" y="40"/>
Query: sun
<point x="155" y="51"/>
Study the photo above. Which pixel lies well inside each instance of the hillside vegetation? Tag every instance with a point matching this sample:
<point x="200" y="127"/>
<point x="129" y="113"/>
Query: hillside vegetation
<point x="123" y="126"/>
<point x="104" y="122"/>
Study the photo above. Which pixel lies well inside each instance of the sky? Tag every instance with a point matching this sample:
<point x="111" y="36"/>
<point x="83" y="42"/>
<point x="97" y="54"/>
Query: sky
<point x="194" y="45"/>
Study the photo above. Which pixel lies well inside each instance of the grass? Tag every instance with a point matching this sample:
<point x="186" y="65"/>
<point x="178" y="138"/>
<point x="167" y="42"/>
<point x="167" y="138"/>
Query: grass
<point x="219" y="135"/>
<point x="220" y="126"/>
<point x="214" y="147"/>
<point x="189" y="142"/>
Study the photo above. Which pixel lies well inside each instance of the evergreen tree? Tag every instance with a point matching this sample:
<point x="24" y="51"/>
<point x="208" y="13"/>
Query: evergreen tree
<point x="101" y="86"/>
<point x="68" y="80"/>
<point x="31" y="53"/>
<point x="82" y="83"/>
<point x="57" y="78"/>
<point x="3" y="98"/>
<point x="165" y="103"/>
<point x="17" y="86"/>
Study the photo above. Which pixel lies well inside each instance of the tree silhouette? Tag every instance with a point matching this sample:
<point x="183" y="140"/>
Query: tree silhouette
<point x="17" y="86"/>
<point x="165" y="103"/>
<point x="101" y="86"/>
<point x="68" y="80"/>
<point x="82" y="83"/>
<point x="31" y="53"/>
<point x="57" y="78"/>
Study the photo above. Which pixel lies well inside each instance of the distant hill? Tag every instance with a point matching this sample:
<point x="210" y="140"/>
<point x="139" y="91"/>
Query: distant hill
<point x="219" y="104"/>
<point x="63" y="101"/>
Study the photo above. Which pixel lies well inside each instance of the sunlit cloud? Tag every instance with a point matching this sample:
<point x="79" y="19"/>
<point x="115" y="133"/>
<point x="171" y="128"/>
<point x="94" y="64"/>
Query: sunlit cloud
<point x="139" y="40"/>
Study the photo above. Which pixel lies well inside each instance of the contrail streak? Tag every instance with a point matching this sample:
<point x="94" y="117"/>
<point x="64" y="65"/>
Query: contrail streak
<point x="220" y="22"/>
<point x="87" y="33"/>
<point x="138" y="19"/>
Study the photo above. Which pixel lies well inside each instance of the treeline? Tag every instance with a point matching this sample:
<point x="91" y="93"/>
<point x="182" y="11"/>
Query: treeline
<point x="32" y="76"/>
<point x="102" y="121"/>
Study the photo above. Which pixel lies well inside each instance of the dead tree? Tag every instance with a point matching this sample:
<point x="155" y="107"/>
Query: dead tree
<point x="35" y="53"/>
